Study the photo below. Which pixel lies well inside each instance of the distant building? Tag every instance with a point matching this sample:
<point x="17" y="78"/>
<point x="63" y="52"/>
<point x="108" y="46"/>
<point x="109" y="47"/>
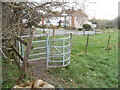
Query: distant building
<point x="76" y="18"/>
<point x="73" y="18"/>
<point x="93" y="26"/>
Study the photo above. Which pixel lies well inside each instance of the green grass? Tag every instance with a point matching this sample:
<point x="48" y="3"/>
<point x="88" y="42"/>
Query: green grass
<point x="35" y="45"/>
<point x="96" y="69"/>
<point x="10" y="74"/>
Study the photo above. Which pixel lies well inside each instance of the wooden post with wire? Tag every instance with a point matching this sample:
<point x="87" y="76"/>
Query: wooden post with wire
<point x="108" y="42"/>
<point x="53" y="32"/>
<point x="83" y="32"/>
<point x="25" y="59"/>
<point x="86" y="48"/>
<point x="71" y="35"/>
<point x="43" y="29"/>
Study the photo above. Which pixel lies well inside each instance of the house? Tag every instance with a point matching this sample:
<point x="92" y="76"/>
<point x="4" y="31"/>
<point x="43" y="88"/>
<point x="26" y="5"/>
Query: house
<point x="93" y="26"/>
<point x="51" y="18"/>
<point x="72" y="18"/>
<point x="76" y="18"/>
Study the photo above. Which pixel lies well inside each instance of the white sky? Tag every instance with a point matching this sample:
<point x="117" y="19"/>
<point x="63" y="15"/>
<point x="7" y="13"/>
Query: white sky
<point x="102" y="9"/>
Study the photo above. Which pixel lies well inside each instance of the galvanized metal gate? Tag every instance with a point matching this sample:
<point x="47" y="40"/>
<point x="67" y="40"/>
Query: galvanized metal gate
<point x="56" y="51"/>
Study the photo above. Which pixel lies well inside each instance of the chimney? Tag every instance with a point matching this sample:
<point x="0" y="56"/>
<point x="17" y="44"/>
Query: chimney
<point x="43" y="20"/>
<point x="72" y="21"/>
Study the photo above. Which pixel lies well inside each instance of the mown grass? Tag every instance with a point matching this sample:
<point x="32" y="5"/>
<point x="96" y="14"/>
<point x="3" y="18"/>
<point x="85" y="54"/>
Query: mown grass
<point x="10" y="73"/>
<point x="96" y="69"/>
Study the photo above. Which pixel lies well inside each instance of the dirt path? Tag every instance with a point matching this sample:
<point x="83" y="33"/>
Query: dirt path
<point x="39" y="71"/>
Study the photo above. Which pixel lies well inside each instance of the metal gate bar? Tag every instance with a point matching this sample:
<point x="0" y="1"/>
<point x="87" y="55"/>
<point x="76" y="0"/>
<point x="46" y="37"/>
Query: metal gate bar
<point x="61" y="52"/>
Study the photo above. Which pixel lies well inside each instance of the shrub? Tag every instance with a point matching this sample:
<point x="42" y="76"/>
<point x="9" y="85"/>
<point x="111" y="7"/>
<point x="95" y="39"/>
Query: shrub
<point x="86" y="26"/>
<point x="108" y="26"/>
<point x="65" y="27"/>
<point x="70" y="28"/>
<point x="79" y="29"/>
<point x="60" y="26"/>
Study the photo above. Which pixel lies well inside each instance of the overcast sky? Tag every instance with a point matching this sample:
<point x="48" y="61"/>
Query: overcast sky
<point x="102" y="9"/>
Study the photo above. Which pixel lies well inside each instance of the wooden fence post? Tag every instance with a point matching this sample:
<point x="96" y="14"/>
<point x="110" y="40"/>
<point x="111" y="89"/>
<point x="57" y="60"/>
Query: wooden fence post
<point x="53" y="32"/>
<point x="86" y="48"/>
<point x="83" y="32"/>
<point x="43" y="30"/>
<point x="95" y="31"/>
<point x="25" y="60"/>
<point x="108" y="42"/>
<point x="71" y="35"/>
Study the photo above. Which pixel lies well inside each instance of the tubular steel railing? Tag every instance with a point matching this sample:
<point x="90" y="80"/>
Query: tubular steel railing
<point x="56" y="51"/>
<point x="62" y="54"/>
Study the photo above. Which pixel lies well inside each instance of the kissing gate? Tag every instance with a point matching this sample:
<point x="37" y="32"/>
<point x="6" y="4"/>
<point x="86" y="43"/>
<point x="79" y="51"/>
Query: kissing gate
<point x="56" y="51"/>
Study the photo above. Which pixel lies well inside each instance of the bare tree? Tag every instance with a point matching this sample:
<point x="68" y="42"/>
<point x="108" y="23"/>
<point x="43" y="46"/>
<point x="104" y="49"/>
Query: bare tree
<point x="13" y="25"/>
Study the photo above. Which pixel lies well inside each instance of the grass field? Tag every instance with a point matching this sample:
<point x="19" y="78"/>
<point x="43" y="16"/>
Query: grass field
<point x="10" y="74"/>
<point x="96" y="69"/>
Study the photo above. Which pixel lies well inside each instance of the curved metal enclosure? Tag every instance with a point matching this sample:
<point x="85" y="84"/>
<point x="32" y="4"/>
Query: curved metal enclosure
<point x="56" y="51"/>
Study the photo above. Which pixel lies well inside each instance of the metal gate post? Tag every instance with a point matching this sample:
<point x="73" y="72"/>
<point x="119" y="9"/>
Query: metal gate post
<point x="63" y="50"/>
<point x="70" y="39"/>
<point x="47" y="50"/>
